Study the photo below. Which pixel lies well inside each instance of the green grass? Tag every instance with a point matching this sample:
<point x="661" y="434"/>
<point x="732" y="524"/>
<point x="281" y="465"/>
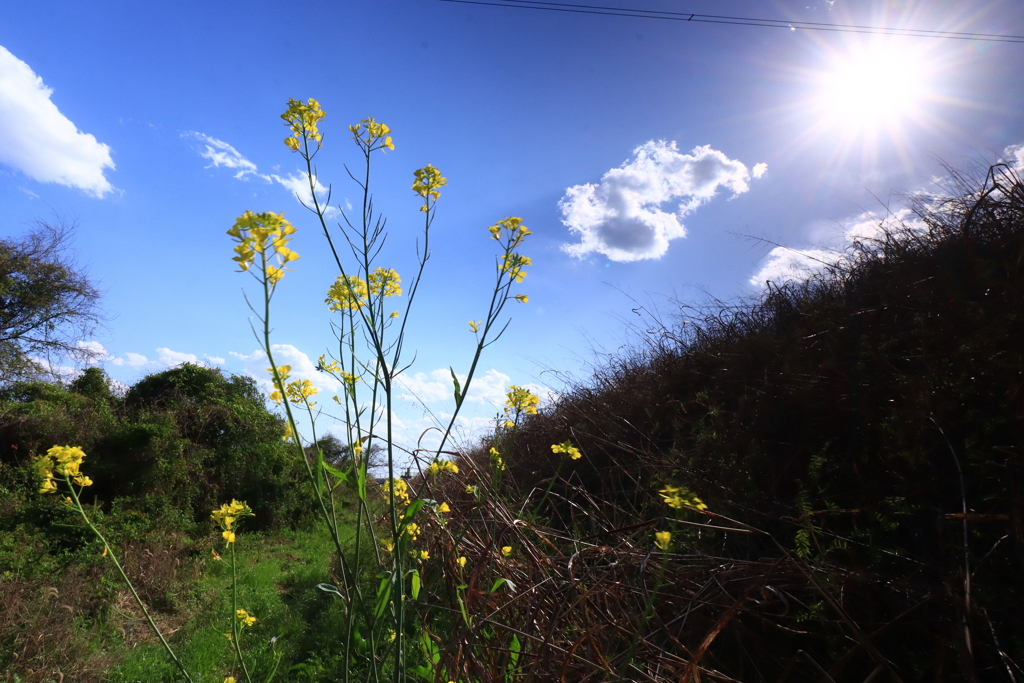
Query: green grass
<point x="277" y="578"/>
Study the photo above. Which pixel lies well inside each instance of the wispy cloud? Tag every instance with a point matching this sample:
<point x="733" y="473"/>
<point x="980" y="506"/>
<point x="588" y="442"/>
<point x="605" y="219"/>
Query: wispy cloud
<point x="220" y="154"/>
<point x="621" y="217"/>
<point x="39" y="141"/>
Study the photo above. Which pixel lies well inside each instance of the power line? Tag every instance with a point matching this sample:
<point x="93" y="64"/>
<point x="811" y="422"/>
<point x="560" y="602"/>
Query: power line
<point x="740" y="21"/>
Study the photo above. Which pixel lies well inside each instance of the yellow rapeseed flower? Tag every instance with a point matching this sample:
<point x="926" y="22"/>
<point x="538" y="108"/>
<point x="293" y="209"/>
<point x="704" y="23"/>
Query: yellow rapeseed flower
<point x="229" y="536"/>
<point x="461" y="562"/>
<point x="522" y="298"/>
<point x="506" y="551"/>
<point x="475" y="325"/>
<point x="302" y="119"/>
<point x="567" y="448"/>
<point x="349" y="292"/>
<point x="267" y="234"/>
<point x="412" y="530"/>
<point x="244" y="617"/>
<point x="384" y="282"/>
<point x="427" y="181"/>
<point x="521" y="400"/>
<point x="443" y="508"/>
<point x="662" y="539"/>
<point x="497" y="460"/>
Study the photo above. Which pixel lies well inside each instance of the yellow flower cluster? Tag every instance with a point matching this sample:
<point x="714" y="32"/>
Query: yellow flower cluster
<point x="401" y="490"/>
<point x="412" y="530"/>
<point x="371" y="135"/>
<point x="420" y="554"/>
<point x="521" y="400"/>
<point x="299" y="391"/>
<point x="662" y="539"/>
<point x="567" y="448"/>
<point x="513" y="265"/>
<point x="348" y="292"/>
<point x="351" y="292"/>
<point x="461" y="562"/>
<point x="442" y="466"/>
<point x="384" y="282"/>
<point x="227" y="514"/>
<point x="244" y="617"/>
<point x="497" y="460"/>
<point x="334" y="368"/>
<point x="427" y="181"/>
<point x="64" y="460"/>
<point x="302" y="119"/>
<point x="267" y="234"/>
<point x="679" y="498"/>
<point x="514" y="229"/>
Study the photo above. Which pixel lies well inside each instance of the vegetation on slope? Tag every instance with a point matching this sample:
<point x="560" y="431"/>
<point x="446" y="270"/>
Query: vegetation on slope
<point x="857" y="439"/>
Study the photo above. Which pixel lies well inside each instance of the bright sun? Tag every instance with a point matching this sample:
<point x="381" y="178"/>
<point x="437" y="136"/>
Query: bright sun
<point x="873" y="87"/>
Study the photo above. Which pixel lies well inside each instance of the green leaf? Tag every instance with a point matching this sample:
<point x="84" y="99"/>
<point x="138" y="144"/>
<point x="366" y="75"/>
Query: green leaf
<point x="383" y="596"/>
<point x="411" y="511"/>
<point x="343" y="476"/>
<point x="328" y="588"/>
<point x="458" y="388"/>
<point x="514" y="649"/>
<point x="498" y="583"/>
<point x="415" y="584"/>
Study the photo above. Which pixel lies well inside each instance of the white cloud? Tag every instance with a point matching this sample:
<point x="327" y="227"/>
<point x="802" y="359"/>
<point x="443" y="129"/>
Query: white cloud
<point x="621" y="217"/>
<point x="97" y="352"/>
<point x="1015" y="157"/>
<point x="135" y="360"/>
<point x="488" y="388"/>
<point x="285" y="354"/>
<point x="220" y="153"/>
<point x="784" y="264"/>
<point x="760" y="169"/>
<point x="171" y="358"/>
<point x="39" y="141"/>
<point x="214" y="360"/>
<point x="298" y="184"/>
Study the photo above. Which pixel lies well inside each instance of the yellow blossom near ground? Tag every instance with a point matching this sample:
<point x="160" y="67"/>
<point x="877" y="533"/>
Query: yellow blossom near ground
<point x="662" y="539"/>
<point x="65" y="461"/>
<point x="567" y="448"/>
<point x="442" y="466"/>
<point x="497" y="460"/>
<point x="244" y="617"/>
<point x="521" y="400"/>
<point x="401" y="490"/>
<point x="461" y="562"/>
<point x="506" y="551"/>
<point x="679" y="498"/>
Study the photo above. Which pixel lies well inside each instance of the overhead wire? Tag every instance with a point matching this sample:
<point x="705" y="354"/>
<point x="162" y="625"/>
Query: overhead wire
<point x="692" y="17"/>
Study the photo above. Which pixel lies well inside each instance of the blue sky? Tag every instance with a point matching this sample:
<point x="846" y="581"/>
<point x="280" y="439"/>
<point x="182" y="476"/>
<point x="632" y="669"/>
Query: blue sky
<point x="654" y="161"/>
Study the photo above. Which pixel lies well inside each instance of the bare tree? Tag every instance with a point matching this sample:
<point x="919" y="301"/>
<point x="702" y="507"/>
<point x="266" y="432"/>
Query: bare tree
<point x="47" y="304"/>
